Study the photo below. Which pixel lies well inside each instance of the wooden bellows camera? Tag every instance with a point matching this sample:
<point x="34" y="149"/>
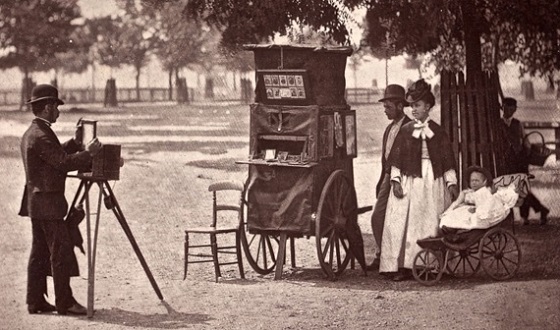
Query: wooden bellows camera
<point x="106" y="163"/>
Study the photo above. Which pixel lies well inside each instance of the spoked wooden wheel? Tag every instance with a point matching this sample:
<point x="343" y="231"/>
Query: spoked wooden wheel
<point x="428" y="266"/>
<point x="464" y="263"/>
<point x="260" y="250"/>
<point x="337" y="206"/>
<point x="500" y="254"/>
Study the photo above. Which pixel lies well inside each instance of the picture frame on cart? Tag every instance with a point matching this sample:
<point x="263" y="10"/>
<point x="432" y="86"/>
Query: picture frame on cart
<point x="283" y="87"/>
<point x="350" y="135"/>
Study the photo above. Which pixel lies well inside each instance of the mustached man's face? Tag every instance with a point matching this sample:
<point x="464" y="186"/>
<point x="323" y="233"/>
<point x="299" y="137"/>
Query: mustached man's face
<point x="52" y="112"/>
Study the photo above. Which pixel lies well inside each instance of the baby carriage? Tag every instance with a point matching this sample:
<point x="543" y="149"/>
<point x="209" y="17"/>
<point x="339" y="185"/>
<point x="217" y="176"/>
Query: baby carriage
<point x="461" y="254"/>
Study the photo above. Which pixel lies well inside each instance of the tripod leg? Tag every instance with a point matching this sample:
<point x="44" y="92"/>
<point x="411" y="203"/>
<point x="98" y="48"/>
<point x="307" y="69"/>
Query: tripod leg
<point x="120" y="217"/>
<point x="92" y="247"/>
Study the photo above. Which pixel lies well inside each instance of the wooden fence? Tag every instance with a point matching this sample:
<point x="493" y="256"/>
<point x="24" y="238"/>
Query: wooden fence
<point x="124" y="95"/>
<point x="470" y="114"/>
<point x="362" y="95"/>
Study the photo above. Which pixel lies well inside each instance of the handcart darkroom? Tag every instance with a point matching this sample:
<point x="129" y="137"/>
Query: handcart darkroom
<point x="302" y="144"/>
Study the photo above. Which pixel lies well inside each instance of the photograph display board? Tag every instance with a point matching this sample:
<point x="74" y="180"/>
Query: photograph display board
<point x="283" y="87"/>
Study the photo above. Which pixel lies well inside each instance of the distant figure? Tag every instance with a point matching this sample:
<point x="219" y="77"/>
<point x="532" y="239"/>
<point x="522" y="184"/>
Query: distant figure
<point x="518" y="163"/>
<point x="423" y="184"/>
<point x="46" y="163"/>
<point x="393" y="103"/>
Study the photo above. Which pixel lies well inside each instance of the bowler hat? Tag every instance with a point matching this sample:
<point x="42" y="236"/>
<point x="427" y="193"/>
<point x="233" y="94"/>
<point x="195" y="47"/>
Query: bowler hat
<point x="394" y="92"/>
<point x="509" y="101"/>
<point x="481" y="170"/>
<point x="418" y="90"/>
<point x="44" y="92"/>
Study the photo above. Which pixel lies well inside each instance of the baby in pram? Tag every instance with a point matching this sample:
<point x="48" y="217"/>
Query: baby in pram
<point x="479" y="206"/>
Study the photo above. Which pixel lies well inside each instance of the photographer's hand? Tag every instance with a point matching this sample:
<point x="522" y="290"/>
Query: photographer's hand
<point x="93" y="147"/>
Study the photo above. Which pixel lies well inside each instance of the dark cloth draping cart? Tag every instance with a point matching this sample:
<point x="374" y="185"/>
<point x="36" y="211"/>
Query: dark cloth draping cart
<point x="302" y="143"/>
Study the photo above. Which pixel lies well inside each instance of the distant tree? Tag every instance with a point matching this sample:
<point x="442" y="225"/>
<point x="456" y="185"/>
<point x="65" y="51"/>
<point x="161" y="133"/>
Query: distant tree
<point x="237" y="60"/>
<point x="182" y="41"/>
<point x="75" y="60"/>
<point x="414" y="62"/>
<point x="33" y="30"/>
<point x="138" y="38"/>
<point x="109" y="41"/>
<point x="358" y="57"/>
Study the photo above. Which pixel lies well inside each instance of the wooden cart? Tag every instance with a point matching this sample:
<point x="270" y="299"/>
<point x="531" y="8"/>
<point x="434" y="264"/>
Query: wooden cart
<point x="302" y="143"/>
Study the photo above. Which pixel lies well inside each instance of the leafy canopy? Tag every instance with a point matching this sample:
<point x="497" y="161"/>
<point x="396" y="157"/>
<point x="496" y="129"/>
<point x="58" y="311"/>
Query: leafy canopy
<point x="523" y="31"/>
<point x="33" y="30"/>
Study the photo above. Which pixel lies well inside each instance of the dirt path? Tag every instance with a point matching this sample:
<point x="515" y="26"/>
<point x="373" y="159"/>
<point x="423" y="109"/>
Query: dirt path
<point x="157" y="205"/>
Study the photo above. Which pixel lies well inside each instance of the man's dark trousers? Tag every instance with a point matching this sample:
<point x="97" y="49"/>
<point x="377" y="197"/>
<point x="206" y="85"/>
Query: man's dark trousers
<point x="51" y="254"/>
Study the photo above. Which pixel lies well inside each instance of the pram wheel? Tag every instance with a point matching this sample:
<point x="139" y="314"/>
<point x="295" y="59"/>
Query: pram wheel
<point x="500" y="254"/>
<point x="428" y="266"/>
<point x="464" y="263"/>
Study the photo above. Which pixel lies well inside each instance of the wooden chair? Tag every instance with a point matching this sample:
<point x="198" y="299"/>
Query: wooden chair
<point x="218" y="210"/>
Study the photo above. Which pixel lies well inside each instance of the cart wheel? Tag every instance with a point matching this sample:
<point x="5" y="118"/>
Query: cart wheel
<point x="428" y="267"/>
<point x="501" y="254"/>
<point x="464" y="263"/>
<point x="336" y="205"/>
<point x="260" y="250"/>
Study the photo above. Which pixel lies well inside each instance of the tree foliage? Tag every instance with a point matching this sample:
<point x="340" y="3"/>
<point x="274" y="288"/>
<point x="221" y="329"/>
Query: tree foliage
<point x="109" y="44"/>
<point x="35" y="29"/>
<point x="524" y="31"/>
<point x="75" y="60"/>
<point x="253" y="21"/>
<point x="490" y="31"/>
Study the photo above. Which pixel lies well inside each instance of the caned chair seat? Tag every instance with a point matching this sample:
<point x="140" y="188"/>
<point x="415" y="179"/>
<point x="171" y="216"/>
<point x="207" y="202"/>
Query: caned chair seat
<point x="219" y="210"/>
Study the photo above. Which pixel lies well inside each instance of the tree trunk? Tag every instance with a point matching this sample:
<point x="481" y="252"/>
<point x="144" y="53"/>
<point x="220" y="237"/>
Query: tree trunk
<point x="92" y="82"/>
<point x="170" y="80"/>
<point x="138" y="69"/>
<point x="550" y="84"/>
<point x="187" y="96"/>
<point x="472" y="38"/>
<point x="26" y="87"/>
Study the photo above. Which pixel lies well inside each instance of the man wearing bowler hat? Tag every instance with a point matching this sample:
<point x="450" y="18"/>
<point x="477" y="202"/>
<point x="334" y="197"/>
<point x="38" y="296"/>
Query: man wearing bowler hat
<point x="393" y="102"/>
<point x="46" y="162"/>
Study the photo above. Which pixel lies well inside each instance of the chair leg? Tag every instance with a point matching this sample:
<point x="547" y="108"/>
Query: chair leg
<point x="214" y="246"/>
<point x="239" y="256"/>
<point x="186" y="255"/>
<point x="293" y="251"/>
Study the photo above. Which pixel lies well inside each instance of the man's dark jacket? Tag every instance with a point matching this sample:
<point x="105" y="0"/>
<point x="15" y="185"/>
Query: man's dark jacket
<point x="384" y="168"/>
<point x="46" y="163"/>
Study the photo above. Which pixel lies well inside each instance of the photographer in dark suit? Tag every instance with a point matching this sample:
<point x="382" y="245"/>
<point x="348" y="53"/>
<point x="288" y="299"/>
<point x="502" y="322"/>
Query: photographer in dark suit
<point x="46" y="163"/>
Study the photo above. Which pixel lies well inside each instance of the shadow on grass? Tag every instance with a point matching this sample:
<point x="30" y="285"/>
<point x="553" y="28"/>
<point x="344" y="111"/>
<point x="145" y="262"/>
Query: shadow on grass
<point x="172" y="320"/>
